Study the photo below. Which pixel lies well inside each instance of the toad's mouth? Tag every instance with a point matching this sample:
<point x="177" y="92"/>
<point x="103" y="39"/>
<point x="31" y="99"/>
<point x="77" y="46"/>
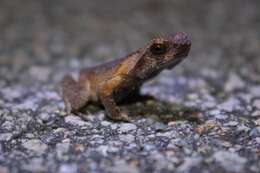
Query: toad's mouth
<point x="182" y="53"/>
<point x="173" y="63"/>
<point x="176" y="60"/>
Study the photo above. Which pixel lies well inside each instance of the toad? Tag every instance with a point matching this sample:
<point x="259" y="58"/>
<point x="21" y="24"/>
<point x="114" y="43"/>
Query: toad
<point x="112" y="82"/>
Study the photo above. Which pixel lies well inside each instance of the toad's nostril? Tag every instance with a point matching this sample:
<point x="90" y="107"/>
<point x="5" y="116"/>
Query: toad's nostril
<point x="180" y="38"/>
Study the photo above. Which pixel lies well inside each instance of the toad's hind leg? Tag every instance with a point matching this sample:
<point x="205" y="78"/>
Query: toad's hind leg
<point x="74" y="95"/>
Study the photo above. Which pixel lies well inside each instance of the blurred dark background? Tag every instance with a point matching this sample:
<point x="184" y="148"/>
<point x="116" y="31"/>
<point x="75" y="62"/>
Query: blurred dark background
<point x="225" y="34"/>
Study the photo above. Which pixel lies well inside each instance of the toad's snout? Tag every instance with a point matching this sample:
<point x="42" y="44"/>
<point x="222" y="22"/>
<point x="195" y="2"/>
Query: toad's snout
<point x="181" y="43"/>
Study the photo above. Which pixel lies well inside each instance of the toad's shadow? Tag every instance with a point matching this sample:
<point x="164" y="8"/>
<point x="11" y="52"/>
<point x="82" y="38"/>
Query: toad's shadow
<point x="155" y="109"/>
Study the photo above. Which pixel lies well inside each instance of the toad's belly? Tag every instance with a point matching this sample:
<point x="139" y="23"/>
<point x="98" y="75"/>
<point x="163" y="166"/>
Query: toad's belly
<point x="125" y="93"/>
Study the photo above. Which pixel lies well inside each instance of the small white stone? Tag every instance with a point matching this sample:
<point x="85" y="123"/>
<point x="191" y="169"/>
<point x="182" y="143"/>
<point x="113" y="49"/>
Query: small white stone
<point x="208" y="105"/>
<point x="230" y="161"/>
<point x="233" y="82"/>
<point x="232" y="123"/>
<point x="127" y="138"/>
<point x="257" y="122"/>
<point x="114" y="126"/>
<point x="75" y="120"/>
<point x="35" y="145"/>
<point x="225" y="143"/>
<point x="8" y="125"/>
<point x="243" y="128"/>
<point x="256" y="103"/>
<point x="29" y="135"/>
<point x="126" y="127"/>
<point x="221" y="117"/>
<point x="193" y="96"/>
<point x="256" y="113"/>
<point x="249" y="108"/>
<point x="35" y="165"/>
<point x="5" y="136"/>
<point x="149" y="147"/>
<point x="215" y="112"/>
<point x="105" y="123"/>
<point x="255" y="91"/>
<point x="68" y="168"/>
<point x="102" y="149"/>
<point x="166" y="134"/>
<point x="12" y="93"/>
<point x="188" y="163"/>
<point x="61" y="149"/>
<point x="112" y="149"/>
<point x="30" y="104"/>
<point x="229" y="105"/>
<point x="44" y="116"/>
<point x="257" y="139"/>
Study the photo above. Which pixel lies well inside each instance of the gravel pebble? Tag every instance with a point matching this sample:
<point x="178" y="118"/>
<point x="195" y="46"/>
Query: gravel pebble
<point x="35" y="145"/>
<point x="230" y="161"/>
<point x="62" y="149"/>
<point x="232" y="123"/>
<point x="126" y="127"/>
<point x="229" y="105"/>
<point x="122" y="167"/>
<point x="7" y="125"/>
<point x="256" y="113"/>
<point x="188" y="164"/>
<point x="68" y="168"/>
<point x="257" y="122"/>
<point x="255" y="132"/>
<point x="36" y="165"/>
<point x="256" y="103"/>
<point x="6" y="136"/>
<point x="75" y="121"/>
<point x="127" y="138"/>
<point x="234" y="82"/>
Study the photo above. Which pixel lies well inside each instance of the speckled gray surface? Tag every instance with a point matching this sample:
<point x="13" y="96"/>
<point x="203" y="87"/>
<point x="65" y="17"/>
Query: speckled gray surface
<point x="40" y="41"/>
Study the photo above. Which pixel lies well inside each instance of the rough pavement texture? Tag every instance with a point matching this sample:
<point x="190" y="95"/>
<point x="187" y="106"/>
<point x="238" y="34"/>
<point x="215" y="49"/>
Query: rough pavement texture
<point x="40" y="41"/>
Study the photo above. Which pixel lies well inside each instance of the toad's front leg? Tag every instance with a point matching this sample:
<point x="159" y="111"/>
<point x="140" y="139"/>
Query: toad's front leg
<point x="106" y="96"/>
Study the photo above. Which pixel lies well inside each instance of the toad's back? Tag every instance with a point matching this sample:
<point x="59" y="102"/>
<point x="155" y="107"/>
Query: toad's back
<point x="100" y="73"/>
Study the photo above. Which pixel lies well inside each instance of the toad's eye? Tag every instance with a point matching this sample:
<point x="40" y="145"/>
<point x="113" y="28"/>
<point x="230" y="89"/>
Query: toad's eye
<point x="158" y="48"/>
